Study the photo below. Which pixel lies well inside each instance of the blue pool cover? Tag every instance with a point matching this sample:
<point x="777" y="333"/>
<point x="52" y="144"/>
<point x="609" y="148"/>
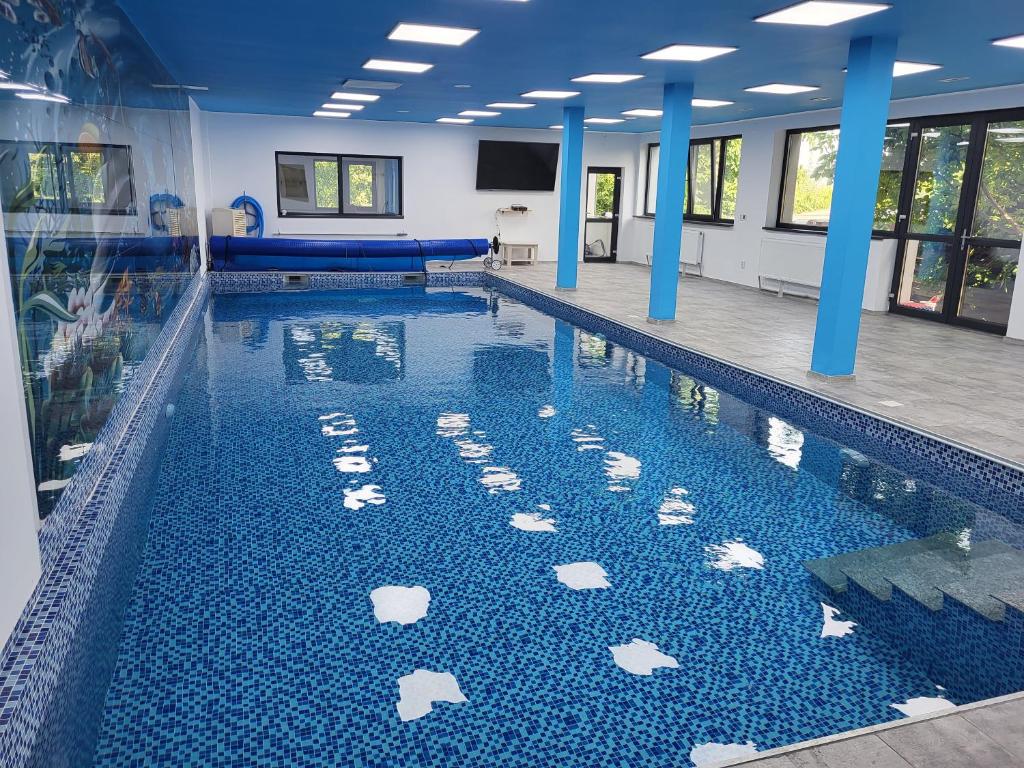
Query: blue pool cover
<point x="436" y="527"/>
<point x="254" y="254"/>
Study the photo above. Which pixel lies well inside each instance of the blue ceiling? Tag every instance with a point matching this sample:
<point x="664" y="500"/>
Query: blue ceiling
<point x="287" y="58"/>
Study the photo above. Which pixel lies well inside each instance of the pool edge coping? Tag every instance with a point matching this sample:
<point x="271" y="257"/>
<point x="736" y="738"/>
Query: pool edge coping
<point x="868" y="730"/>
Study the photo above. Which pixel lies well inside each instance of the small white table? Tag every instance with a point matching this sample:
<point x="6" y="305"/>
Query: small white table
<point x="519" y="253"/>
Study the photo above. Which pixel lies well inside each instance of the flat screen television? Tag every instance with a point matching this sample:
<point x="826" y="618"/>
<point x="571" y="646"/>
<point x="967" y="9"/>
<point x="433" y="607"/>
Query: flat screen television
<point x="517" y="165"/>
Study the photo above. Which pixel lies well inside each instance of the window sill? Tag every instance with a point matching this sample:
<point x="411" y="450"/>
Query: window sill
<point x="686" y="221"/>
<point x="823" y="232"/>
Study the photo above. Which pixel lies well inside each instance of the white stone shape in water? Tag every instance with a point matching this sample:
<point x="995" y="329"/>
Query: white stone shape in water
<point x="619" y="466"/>
<point x="583" y="575"/>
<point x="713" y="753"/>
<point x="473" y="452"/>
<point x="452" y="424"/>
<point x="352" y="464"/>
<point x="587" y="440"/>
<point x="640" y="657"/>
<point x="833" y="627"/>
<point x="404" y="605"/>
<point x="418" y="692"/>
<point x="354" y="449"/>
<point x="546" y="412"/>
<point x="360" y="497"/>
<point x="923" y="705"/>
<point x="532" y="521"/>
<point x="734" y="554"/>
<point x="675" y="511"/>
<point x="498" y="479"/>
<point x="74" y="451"/>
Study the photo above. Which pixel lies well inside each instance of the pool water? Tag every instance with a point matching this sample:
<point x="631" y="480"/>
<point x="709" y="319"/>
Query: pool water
<point x="612" y="551"/>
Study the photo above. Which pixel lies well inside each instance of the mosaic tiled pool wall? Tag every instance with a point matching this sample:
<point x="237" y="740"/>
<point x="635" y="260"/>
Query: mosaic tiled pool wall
<point x="258" y="282"/>
<point x="56" y="667"/>
<point x="991" y="483"/>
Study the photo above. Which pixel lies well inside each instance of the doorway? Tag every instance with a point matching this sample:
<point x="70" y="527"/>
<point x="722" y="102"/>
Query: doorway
<point x="601" y="228"/>
<point x="961" y="220"/>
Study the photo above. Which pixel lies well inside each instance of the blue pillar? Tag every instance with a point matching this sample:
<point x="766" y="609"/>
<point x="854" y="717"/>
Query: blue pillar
<point x="861" y="136"/>
<point x="668" y="222"/>
<point x="569" y="207"/>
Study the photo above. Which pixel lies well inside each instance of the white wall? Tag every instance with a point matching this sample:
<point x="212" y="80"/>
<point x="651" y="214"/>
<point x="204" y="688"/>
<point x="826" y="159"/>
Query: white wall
<point x="733" y="253"/>
<point x="439" y="176"/>
<point x="19" y="547"/>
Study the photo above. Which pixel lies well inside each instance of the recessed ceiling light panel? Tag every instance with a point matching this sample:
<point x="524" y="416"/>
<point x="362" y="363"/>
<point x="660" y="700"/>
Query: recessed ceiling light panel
<point x="341" y="95"/>
<point x="1017" y="41"/>
<point x="550" y="94"/>
<point x="343" y="107"/>
<point x="511" y="105"/>
<point x="781" y="89"/>
<point x="390" y="65"/>
<point x="688" y="52"/>
<point x="426" y="33"/>
<point x="901" y="68"/>
<point x="710" y="103"/>
<point x="604" y="120"/>
<point x="455" y="120"/>
<point x="330" y="113"/>
<point x="477" y="113"/>
<point x="610" y="79"/>
<point x="642" y="113"/>
<point x="371" y="85"/>
<point x="821" y="13"/>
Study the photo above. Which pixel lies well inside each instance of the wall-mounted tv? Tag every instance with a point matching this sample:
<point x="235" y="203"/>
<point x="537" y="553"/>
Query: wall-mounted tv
<point x="517" y="165"/>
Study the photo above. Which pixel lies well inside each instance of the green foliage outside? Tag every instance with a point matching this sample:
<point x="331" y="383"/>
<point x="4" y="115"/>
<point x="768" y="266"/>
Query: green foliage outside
<point x="604" y="194"/>
<point x="326" y="180"/>
<point x="731" y="178"/>
<point x="360" y="185"/>
<point x="43" y="173"/>
<point x="87" y="178"/>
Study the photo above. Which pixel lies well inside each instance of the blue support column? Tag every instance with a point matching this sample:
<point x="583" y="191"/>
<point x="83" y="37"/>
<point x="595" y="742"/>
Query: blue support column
<point x="569" y="206"/>
<point x="668" y="222"/>
<point x="861" y="136"/>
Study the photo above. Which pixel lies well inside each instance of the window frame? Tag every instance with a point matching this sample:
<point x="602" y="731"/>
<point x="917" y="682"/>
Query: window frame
<point x="780" y="224"/>
<point x="340" y="159"/>
<point x="717" y="178"/>
<point x="64" y="180"/>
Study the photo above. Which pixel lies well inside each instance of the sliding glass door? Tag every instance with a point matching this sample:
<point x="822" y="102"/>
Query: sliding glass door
<point x="961" y="220"/>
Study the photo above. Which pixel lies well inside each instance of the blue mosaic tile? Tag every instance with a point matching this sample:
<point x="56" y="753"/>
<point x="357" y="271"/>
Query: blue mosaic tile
<point x="267" y="671"/>
<point x="251" y="639"/>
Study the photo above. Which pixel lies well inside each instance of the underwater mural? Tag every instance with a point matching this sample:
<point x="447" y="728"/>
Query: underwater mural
<point x="98" y="197"/>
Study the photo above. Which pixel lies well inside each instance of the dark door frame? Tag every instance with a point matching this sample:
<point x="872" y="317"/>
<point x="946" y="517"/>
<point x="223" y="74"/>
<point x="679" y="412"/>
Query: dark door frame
<point x="960" y="238"/>
<point x="613" y="247"/>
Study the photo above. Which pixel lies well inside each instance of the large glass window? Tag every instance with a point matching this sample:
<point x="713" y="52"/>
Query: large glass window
<point x="712" y="179"/>
<point x="67" y="178"/>
<point x="338" y="185"/>
<point x="806" y="195"/>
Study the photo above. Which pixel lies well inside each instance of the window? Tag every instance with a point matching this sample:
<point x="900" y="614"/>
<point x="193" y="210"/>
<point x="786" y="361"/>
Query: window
<point x="810" y="165"/>
<point x="339" y="185"/>
<point x="712" y="179"/>
<point x="66" y="178"/>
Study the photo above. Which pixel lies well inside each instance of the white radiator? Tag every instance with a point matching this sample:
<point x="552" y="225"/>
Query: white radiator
<point x="790" y="262"/>
<point x="691" y="250"/>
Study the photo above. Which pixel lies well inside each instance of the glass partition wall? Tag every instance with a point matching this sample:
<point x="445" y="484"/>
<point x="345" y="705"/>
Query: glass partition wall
<point x="96" y="184"/>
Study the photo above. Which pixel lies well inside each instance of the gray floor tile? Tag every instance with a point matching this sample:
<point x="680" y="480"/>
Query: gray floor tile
<point x="1003" y="723"/>
<point x="863" y="752"/>
<point x="947" y="742"/>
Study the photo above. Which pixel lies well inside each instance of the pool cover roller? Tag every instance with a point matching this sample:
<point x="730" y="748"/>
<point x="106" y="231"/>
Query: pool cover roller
<point x="258" y="254"/>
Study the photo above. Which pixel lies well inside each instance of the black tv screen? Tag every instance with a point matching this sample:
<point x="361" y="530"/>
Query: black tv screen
<point x="517" y="165"/>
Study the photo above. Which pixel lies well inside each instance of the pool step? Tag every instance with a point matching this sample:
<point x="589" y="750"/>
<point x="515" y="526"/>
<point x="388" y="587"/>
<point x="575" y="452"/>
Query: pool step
<point x="986" y="577"/>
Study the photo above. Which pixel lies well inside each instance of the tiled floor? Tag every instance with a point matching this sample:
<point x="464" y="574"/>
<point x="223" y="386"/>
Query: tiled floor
<point x="981" y="736"/>
<point x="965" y="386"/>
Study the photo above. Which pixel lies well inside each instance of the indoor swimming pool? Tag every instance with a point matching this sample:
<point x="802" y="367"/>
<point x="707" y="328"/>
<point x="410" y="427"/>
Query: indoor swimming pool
<point x="437" y="526"/>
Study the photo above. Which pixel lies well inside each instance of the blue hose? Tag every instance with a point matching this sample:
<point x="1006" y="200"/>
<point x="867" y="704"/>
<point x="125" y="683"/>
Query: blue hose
<point x="252" y="208"/>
